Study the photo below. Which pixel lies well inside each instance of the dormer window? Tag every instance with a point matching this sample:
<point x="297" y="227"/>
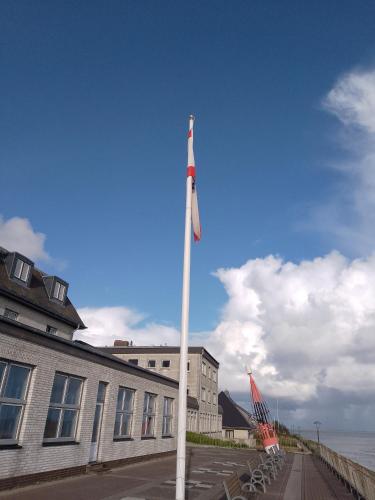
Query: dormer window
<point x="59" y="291"/>
<point x="22" y="270"/>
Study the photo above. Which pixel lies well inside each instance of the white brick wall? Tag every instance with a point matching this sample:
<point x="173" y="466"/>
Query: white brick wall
<point x="33" y="457"/>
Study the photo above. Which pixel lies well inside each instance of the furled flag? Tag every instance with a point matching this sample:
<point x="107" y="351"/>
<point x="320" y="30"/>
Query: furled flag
<point x="191" y="172"/>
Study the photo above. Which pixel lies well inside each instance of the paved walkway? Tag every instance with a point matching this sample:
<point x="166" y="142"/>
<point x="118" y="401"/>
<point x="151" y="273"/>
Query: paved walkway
<point x="302" y="478"/>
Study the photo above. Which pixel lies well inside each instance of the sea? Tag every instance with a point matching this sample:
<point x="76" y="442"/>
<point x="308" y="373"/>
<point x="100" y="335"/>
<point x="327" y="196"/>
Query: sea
<point x="358" y="446"/>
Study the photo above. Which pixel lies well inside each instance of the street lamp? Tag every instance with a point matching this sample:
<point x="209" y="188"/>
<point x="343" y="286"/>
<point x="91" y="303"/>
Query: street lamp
<point x="317" y="424"/>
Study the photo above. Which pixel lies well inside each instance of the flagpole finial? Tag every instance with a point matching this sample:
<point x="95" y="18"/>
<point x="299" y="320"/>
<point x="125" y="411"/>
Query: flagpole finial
<point x="249" y="370"/>
<point x="191" y="117"/>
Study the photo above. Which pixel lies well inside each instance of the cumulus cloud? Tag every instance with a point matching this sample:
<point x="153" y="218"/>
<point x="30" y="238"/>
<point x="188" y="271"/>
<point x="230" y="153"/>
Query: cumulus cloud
<point x="106" y="324"/>
<point x="303" y="328"/>
<point x="350" y="215"/>
<point x="18" y="234"/>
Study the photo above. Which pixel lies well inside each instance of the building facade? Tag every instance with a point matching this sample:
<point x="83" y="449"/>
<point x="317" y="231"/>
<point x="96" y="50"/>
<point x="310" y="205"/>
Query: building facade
<point x="202" y="379"/>
<point x="63" y="403"/>
<point x="238" y="425"/>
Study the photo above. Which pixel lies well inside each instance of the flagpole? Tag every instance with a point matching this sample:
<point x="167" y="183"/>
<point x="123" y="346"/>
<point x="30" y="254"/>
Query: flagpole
<point x="182" y="393"/>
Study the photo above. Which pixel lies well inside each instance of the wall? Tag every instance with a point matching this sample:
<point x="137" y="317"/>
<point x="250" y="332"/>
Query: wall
<point x="33" y="457"/>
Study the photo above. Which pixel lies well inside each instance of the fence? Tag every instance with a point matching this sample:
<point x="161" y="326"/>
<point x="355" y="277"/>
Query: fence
<point x="359" y="478"/>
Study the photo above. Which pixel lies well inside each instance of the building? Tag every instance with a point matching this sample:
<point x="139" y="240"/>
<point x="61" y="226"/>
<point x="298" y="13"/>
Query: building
<point x="202" y="382"/>
<point x="63" y="403"/>
<point x="238" y="425"/>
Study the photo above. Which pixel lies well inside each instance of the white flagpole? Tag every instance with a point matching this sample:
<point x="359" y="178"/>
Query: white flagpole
<point x="182" y="395"/>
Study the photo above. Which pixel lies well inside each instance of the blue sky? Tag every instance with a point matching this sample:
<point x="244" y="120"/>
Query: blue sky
<point x="95" y="98"/>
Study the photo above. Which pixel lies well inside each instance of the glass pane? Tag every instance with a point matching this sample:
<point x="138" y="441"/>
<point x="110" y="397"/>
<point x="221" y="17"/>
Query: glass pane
<point x="73" y="392"/>
<point x="9" y="416"/>
<point x="52" y="423"/>
<point x="126" y="424"/>
<point x="16" y="382"/>
<point x="98" y="411"/>
<point x="128" y="404"/>
<point x="2" y="370"/>
<point x="62" y="292"/>
<point x="101" y="392"/>
<point x="120" y="399"/>
<point x="146" y="402"/>
<point x="117" y="424"/>
<point x="68" y="423"/>
<point x="56" y="290"/>
<point x="58" y="388"/>
<point x="25" y="272"/>
<point x="151" y="405"/>
<point x="18" y="269"/>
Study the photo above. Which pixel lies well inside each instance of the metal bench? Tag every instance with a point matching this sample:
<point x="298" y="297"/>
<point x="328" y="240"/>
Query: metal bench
<point x="235" y="490"/>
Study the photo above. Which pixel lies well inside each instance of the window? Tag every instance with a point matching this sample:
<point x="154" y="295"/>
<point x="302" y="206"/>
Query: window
<point x="214" y="398"/>
<point x="188" y="390"/>
<point x="133" y="362"/>
<point x="51" y="329"/>
<point x="151" y="363"/>
<point x="14" y="379"/>
<point x="22" y="270"/>
<point x="203" y="394"/>
<point x="188" y="365"/>
<point x="59" y="291"/>
<point x="209" y="371"/>
<point x="167" y="416"/>
<point x="209" y="397"/>
<point x="64" y="408"/>
<point x="166" y="363"/>
<point x="214" y="375"/>
<point x="8" y="313"/>
<point x="229" y="434"/>
<point x="124" y="412"/>
<point x="204" y="368"/>
<point x="148" y="420"/>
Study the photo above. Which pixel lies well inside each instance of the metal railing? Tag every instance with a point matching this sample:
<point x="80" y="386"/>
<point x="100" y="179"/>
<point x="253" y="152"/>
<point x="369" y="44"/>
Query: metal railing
<point x="360" y="479"/>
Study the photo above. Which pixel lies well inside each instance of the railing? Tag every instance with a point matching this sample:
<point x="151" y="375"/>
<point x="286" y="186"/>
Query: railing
<point x="359" y="478"/>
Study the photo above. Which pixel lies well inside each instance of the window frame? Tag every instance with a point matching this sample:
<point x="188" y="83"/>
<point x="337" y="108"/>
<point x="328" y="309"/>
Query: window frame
<point x="14" y="401"/>
<point x="165" y="361"/>
<point x="7" y="310"/>
<point x="147" y="413"/>
<point x="133" y="361"/>
<point x="123" y="412"/>
<point x="62" y="407"/>
<point x="49" y="327"/>
<point x="167" y="417"/>
<point x="204" y="368"/>
<point x="203" y="393"/>
<point x="151" y="361"/>
<point x="23" y="265"/>
<point x="214" y="377"/>
<point x="59" y="285"/>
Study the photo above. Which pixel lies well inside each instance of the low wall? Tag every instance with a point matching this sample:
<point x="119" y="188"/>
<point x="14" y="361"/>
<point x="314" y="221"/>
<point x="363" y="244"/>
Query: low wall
<point x="358" y="477"/>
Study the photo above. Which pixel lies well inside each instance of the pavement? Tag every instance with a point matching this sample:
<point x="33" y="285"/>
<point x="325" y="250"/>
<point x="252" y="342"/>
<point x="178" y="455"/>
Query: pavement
<point x="302" y="478"/>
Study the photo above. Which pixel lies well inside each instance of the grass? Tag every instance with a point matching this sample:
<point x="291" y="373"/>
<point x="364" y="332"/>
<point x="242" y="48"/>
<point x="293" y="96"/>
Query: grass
<point x="193" y="437"/>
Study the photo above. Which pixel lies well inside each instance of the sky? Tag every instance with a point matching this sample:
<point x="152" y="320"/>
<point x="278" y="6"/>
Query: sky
<point x="95" y="98"/>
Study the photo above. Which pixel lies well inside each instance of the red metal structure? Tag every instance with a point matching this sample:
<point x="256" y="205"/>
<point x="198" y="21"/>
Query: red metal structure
<point x="261" y="414"/>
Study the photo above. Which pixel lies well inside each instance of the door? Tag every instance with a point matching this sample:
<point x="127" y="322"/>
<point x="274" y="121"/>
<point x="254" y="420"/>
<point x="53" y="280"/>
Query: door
<point x="95" y="438"/>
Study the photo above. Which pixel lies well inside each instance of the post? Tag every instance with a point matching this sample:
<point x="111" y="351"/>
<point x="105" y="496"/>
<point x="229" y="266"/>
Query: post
<point x="182" y="397"/>
<point x="317" y="424"/>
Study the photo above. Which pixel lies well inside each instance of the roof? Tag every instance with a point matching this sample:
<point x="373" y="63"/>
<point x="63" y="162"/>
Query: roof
<point x="234" y="416"/>
<point x="159" y="350"/>
<point x="35" y="295"/>
<point x="78" y="349"/>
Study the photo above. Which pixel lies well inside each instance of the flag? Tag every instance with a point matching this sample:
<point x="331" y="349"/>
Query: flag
<point x="191" y="172"/>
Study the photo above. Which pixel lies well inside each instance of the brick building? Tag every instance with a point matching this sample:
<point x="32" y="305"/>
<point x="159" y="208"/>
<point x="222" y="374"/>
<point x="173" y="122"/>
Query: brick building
<point x="63" y="403"/>
<point x="204" y="412"/>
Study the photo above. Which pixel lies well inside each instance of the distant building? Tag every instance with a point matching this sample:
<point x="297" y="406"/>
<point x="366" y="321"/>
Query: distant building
<point x="63" y="403"/>
<point x="238" y="424"/>
<point x="202" y="381"/>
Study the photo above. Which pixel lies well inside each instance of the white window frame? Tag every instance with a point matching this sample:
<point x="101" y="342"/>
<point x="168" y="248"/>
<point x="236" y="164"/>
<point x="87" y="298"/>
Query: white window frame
<point x="59" y="291"/>
<point x="203" y="394"/>
<point x="23" y="271"/>
<point x="62" y="406"/>
<point x="208" y="396"/>
<point x="122" y="412"/>
<point x="214" y="378"/>
<point x="209" y="371"/>
<point x="204" y="368"/>
<point x="167" y="417"/>
<point x="149" y="411"/>
<point x="214" y="396"/>
<point x="20" y="402"/>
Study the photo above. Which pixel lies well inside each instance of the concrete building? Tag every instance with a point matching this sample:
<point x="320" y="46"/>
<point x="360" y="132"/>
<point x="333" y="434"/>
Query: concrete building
<point x="238" y="425"/>
<point x="63" y="403"/>
<point x="203" y="379"/>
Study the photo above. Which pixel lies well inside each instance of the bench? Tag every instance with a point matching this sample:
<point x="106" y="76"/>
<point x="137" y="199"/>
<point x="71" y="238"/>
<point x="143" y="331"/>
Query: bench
<point x="235" y="490"/>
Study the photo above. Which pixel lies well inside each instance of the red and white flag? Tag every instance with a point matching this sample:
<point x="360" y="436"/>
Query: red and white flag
<point x="191" y="173"/>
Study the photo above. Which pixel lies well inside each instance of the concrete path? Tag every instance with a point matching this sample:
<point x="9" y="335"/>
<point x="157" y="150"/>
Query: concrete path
<point x="293" y="490"/>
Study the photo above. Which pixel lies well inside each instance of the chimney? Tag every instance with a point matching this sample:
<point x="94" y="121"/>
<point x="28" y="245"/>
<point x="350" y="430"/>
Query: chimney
<point x="120" y="343"/>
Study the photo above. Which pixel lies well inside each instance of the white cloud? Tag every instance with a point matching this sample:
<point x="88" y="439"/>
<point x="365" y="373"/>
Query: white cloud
<point x="299" y="326"/>
<point x="350" y="214"/>
<point x="18" y="234"/>
<point x="106" y="324"/>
